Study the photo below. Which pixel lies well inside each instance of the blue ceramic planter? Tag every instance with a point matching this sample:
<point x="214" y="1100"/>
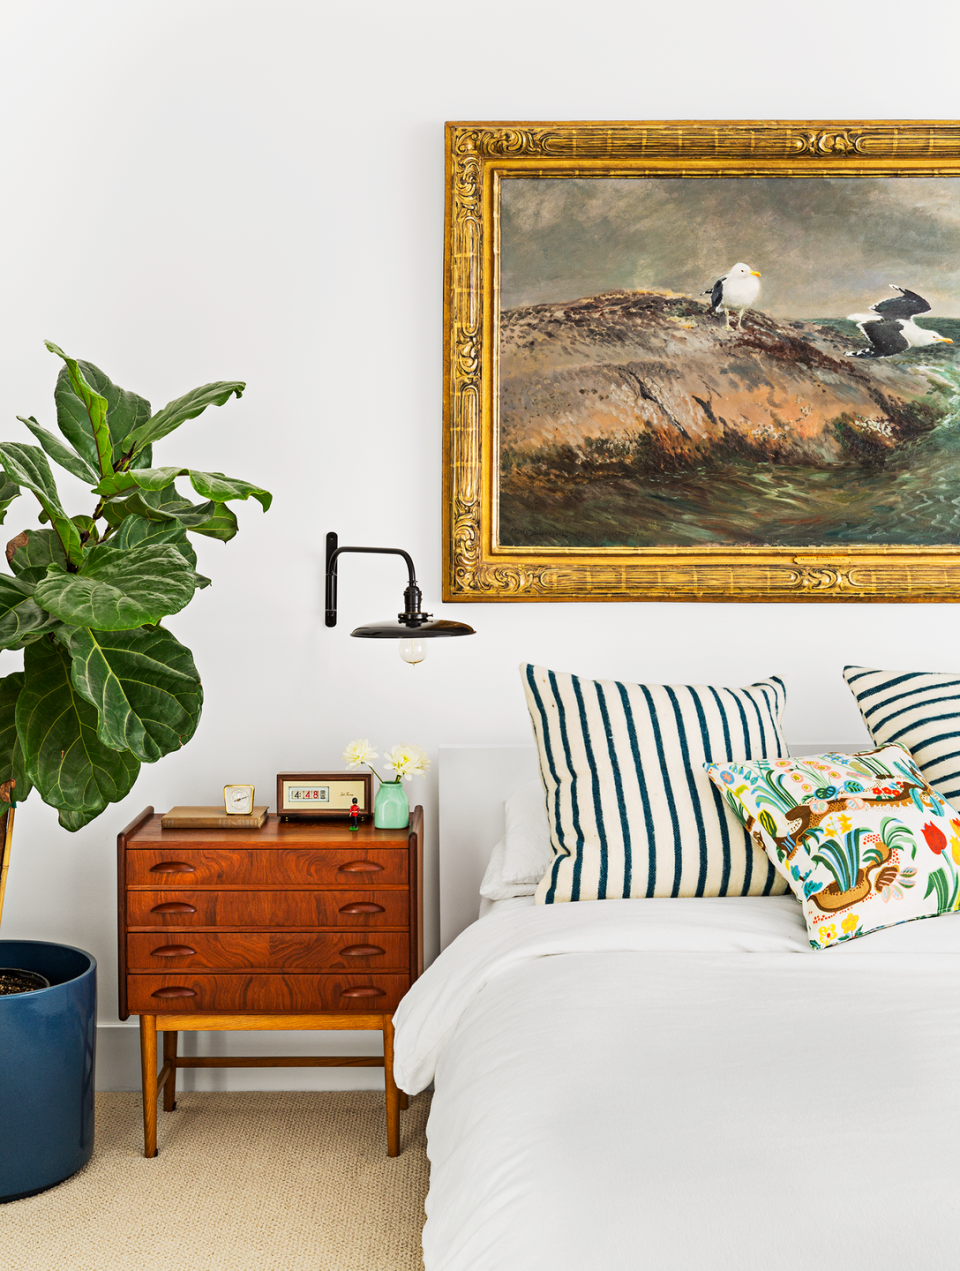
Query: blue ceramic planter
<point x="47" y="1052"/>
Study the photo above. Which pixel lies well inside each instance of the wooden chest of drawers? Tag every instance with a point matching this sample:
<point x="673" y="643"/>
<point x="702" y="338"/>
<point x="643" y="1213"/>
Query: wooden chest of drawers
<point x="295" y="922"/>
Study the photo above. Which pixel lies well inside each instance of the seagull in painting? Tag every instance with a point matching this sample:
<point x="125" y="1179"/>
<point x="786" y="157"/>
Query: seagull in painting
<point x="890" y="326"/>
<point x="736" y="290"/>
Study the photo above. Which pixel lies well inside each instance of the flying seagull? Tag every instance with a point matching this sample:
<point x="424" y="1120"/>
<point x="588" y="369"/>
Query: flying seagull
<point x="736" y="290"/>
<point x="890" y="328"/>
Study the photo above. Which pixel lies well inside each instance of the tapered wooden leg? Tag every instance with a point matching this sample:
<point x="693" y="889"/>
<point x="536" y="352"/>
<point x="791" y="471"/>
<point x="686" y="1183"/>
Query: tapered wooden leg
<point x="148" y="1077"/>
<point x="392" y="1093"/>
<point x="170" y="1085"/>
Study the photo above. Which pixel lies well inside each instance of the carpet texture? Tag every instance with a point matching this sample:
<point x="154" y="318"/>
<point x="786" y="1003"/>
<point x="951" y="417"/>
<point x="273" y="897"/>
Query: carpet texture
<point x="245" y="1181"/>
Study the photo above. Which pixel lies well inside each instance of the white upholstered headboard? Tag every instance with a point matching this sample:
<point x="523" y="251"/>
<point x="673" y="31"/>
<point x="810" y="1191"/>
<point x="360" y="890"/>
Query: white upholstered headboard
<point x="474" y="782"/>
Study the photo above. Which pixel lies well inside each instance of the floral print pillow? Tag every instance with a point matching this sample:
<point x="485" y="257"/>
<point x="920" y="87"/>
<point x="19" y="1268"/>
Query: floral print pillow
<point x="862" y="840"/>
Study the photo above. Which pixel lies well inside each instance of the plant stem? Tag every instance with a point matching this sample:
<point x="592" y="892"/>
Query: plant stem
<point x="383" y="781"/>
<point x="5" y="858"/>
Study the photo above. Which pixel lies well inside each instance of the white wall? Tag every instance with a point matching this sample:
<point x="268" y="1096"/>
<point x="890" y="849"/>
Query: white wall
<point x="203" y="189"/>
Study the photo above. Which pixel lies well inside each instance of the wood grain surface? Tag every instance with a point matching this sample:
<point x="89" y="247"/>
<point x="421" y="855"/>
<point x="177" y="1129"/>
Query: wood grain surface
<point x="186" y="991"/>
<point x="319" y="866"/>
<point x="268" y="951"/>
<point x="269" y="909"/>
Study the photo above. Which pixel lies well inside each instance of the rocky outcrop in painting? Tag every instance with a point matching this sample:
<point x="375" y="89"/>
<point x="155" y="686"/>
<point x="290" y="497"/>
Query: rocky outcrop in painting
<point x="637" y="418"/>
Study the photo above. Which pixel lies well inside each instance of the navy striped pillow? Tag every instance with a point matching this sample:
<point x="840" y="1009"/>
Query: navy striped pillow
<point x="921" y="711"/>
<point x="631" y="811"/>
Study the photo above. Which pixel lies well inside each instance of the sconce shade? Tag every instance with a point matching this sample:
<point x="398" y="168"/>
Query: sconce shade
<point x="420" y="631"/>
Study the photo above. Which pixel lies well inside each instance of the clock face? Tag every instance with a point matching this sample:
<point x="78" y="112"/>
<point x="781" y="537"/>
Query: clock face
<point x="238" y="798"/>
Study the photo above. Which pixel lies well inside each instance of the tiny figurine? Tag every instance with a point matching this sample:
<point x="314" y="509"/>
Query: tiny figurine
<point x="354" y="815"/>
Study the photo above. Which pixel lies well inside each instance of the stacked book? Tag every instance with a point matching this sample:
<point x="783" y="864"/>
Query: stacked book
<point x="213" y="818"/>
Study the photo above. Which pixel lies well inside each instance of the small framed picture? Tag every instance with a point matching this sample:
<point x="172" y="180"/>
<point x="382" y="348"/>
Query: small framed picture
<point x="323" y="795"/>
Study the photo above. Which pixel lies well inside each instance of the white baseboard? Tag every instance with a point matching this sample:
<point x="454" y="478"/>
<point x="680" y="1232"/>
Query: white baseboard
<point x="118" y="1060"/>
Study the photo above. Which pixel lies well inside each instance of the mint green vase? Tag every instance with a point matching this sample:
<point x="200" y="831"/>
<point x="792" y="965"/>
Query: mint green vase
<point x="391" y="811"/>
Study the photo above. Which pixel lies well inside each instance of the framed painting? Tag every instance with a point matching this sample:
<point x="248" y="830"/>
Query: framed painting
<point x="702" y="361"/>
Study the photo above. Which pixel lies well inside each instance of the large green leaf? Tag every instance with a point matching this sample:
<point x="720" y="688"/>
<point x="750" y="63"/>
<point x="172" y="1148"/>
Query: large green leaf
<point x="60" y="453"/>
<point x="215" y="520"/>
<point x="125" y="410"/>
<point x="28" y="466"/>
<point x="134" y="503"/>
<point x="118" y="590"/>
<point x="220" y="489"/>
<point x="144" y="685"/>
<point x="120" y="483"/>
<point x="180" y="410"/>
<point x="66" y="760"/>
<point x="94" y="404"/>
<point x="211" y="485"/>
<point x="137" y="530"/>
<point x="9" y="490"/>
<point x="74" y="422"/>
<point x="21" y="618"/>
<point x="12" y="767"/>
<point x="31" y="551"/>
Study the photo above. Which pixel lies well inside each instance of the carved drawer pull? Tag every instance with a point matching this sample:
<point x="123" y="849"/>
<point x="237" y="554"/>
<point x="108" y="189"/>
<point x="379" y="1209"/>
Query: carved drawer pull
<point x="362" y="951"/>
<point x="359" y="867"/>
<point x="364" y="992"/>
<point x="177" y="991"/>
<point x="172" y="951"/>
<point x="174" y="907"/>
<point x="172" y="867"/>
<point x="362" y="907"/>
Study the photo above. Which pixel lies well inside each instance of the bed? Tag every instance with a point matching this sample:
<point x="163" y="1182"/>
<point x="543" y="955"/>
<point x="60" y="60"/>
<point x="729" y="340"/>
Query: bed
<point x="676" y="1083"/>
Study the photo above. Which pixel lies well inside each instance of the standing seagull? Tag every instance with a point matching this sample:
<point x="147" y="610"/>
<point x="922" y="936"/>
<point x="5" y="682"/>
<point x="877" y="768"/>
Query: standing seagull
<point x="736" y="290"/>
<point x="890" y="328"/>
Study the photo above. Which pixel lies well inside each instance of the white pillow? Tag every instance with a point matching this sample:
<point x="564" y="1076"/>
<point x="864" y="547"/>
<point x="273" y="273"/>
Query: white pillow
<point x="522" y="856"/>
<point x="494" y="886"/>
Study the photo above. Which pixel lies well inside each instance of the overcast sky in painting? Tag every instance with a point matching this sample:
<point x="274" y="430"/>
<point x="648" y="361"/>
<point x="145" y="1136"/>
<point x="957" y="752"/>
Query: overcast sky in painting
<point x="825" y="248"/>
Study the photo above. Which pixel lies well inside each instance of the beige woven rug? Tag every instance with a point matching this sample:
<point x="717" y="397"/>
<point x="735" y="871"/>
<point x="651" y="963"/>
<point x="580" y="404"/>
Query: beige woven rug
<point x="251" y="1181"/>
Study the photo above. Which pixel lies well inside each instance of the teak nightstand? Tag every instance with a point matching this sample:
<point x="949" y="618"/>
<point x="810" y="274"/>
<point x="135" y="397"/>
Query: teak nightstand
<point x="296" y="925"/>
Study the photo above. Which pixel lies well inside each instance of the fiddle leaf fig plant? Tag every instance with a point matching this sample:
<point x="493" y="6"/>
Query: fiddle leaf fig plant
<point x="105" y="687"/>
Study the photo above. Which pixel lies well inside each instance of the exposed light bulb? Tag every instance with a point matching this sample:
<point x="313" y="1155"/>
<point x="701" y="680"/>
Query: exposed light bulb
<point x="413" y="651"/>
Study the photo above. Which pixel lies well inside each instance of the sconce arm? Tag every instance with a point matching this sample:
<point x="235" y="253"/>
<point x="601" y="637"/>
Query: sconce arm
<point x="412" y="598"/>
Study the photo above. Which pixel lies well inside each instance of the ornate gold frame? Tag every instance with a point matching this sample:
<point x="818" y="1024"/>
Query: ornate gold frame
<point x="478" y="155"/>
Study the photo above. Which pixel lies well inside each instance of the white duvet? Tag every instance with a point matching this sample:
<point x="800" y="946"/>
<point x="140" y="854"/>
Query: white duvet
<point x="685" y="1084"/>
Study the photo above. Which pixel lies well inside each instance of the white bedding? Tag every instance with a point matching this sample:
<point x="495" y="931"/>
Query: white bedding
<point x="686" y="1084"/>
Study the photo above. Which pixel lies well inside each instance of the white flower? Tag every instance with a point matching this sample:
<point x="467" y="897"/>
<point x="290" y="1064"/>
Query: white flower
<point x="407" y="761"/>
<point x="358" y="752"/>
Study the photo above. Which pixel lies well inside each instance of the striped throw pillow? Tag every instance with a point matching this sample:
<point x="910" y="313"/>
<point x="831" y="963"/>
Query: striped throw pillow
<point x="631" y="810"/>
<point x="921" y="711"/>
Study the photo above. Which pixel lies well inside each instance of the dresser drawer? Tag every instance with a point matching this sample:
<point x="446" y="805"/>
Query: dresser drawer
<point x="340" y="866"/>
<point x="188" y="991"/>
<point x="347" y="909"/>
<point x="268" y="951"/>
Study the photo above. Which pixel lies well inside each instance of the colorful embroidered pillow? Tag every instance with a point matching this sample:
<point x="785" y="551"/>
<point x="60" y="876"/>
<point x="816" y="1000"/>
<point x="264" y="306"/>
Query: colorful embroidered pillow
<point x="918" y="709"/>
<point x="862" y="839"/>
<point x="631" y="811"/>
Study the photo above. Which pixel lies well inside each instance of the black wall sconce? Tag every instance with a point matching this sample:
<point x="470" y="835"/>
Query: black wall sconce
<point x="413" y="627"/>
